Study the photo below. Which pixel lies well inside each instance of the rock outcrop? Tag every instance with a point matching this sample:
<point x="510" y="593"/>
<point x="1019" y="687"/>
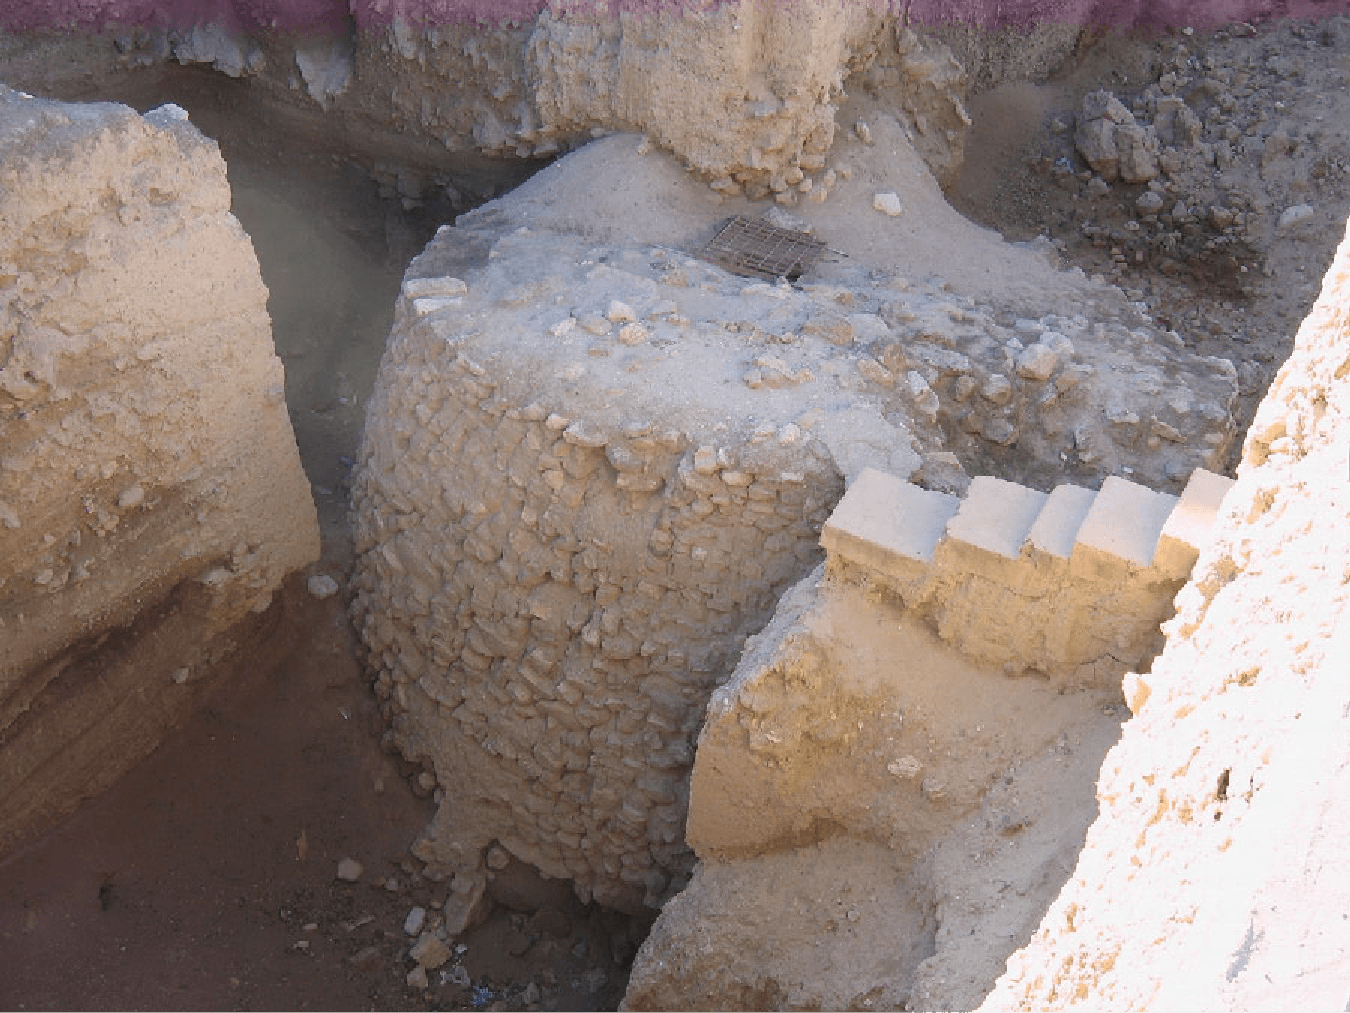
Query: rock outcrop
<point x="1212" y="878"/>
<point x="151" y="494"/>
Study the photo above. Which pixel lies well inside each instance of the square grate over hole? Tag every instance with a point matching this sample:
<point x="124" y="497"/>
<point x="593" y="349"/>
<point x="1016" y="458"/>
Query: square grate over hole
<point x="754" y="248"/>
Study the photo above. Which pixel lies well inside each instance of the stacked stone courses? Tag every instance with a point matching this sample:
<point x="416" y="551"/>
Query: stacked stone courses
<point x="549" y="590"/>
<point x="1072" y="583"/>
<point x="590" y="470"/>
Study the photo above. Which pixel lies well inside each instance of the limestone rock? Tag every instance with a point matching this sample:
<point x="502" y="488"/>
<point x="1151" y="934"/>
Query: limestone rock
<point x="1149" y="203"/>
<point x="430" y="951"/>
<point x="412" y="925"/>
<point x="1295" y="216"/>
<point x="888" y="204"/>
<point x="326" y="65"/>
<point x="322" y="586"/>
<point x="1112" y="143"/>
<point x="1137" y="153"/>
<point x="1211" y="873"/>
<point x="1037" y="362"/>
<point x="228" y="51"/>
<point x="1096" y="142"/>
<point x="349" y="870"/>
<point x="468" y="903"/>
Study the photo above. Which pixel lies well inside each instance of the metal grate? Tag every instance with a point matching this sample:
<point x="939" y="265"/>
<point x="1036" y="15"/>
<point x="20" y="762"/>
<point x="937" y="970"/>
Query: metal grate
<point x="754" y="248"/>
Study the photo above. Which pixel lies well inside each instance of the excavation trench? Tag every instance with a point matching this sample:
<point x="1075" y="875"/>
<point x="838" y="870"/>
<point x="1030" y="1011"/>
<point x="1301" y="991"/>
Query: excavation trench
<point x="209" y="871"/>
<point x="222" y="846"/>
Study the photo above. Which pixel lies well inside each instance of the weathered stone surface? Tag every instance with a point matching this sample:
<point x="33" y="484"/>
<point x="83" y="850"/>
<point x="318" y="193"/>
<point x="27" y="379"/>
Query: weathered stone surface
<point x="1064" y="584"/>
<point x="582" y="544"/>
<point x="349" y="870"/>
<point x="1215" y="865"/>
<point x="1096" y="141"/>
<point x="862" y="810"/>
<point x="563" y="539"/>
<point x="1112" y="142"/>
<point x="152" y="492"/>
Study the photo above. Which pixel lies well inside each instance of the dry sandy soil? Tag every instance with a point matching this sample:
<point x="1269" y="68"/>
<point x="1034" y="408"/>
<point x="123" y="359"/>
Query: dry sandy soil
<point x="206" y="879"/>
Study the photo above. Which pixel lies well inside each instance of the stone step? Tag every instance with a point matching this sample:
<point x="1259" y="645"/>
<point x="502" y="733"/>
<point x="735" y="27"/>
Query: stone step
<point x="889" y="525"/>
<point x="988" y="530"/>
<point x="1188" y="526"/>
<point x="1120" y="533"/>
<point x="1052" y="536"/>
<point x="1075" y="582"/>
<point x="900" y="530"/>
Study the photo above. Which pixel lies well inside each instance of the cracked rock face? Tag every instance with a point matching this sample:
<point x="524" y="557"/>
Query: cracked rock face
<point x="148" y="508"/>
<point x="1212" y="870"/>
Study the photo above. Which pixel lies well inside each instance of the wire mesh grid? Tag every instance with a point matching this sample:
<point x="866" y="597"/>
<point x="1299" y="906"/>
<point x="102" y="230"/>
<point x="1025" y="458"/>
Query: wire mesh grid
<point x="755" y="248"/>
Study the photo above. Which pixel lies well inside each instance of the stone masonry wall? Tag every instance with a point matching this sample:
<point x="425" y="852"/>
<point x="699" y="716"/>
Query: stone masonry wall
<point x="559" y="559"/>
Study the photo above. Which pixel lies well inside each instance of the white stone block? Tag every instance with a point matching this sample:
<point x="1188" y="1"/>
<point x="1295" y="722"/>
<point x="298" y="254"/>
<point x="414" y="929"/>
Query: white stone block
<point x="1189" y="525"/>
<point x="1121" y="529"/>
<point x="888" y="524"/>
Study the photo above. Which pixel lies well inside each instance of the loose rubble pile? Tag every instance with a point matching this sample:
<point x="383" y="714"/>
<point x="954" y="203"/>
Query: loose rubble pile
<point x="1222" y="180"/>
<point x="547" y="951"/>
<point x="1219" y="171"/>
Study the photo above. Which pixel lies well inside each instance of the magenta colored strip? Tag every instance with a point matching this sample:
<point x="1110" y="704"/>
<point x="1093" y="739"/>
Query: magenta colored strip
<point x="308" y="15"/>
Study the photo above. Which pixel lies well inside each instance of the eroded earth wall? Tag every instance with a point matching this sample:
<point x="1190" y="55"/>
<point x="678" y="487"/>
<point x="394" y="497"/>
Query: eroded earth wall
<point x="151" y="494"/>
<point x="745" y="93"/>
<point x="1214" y="876"/>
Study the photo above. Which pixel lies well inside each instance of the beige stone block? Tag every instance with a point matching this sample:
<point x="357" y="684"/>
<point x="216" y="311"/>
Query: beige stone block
<point x="1120" y="533"/>
<point x="1189" y="525"/>
<point x="888" y="525"/>
<point x="1055" y="530"/>
<point x="986" y="533"/>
